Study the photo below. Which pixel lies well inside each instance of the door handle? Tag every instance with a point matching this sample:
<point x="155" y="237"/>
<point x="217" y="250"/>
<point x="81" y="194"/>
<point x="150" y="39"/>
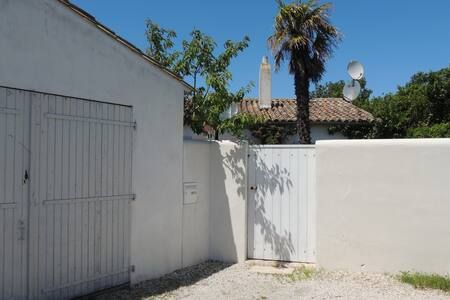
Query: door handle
<point x="26" y="177"/>
<point x="253" y="188"/>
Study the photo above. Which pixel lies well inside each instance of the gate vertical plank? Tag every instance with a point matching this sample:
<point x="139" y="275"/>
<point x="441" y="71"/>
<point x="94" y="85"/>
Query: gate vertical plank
<point x="2" y="149"/>
<point x="262" y="194"/>
<point x="287" y="251"/>
<point x="86" y="193"/>
<point x="115" y="191"/>
<point x="278" y="184"/>
<point x="251" y="205"/>
<point x="72" y="204"/>
<point x="34" y="192"/>
<point x="108" y="191"/>
<point x="294" y="201"/>
<point x="103" y="233"/>
<point x="18" y="193"/>
<point x="9" y="232"/>
<point x="78" y="193"/>
<point x="59" y="194"/>
<point x="122" y="190"/>
<point x="301" y="206"/>
<point x="50" y="210"/>
<point x="65" y="195"/>
<point x="3" y="223"/>
<point x="129" y="134"/>
<point x="10" y="212"/>
<point x="40" y="208"/>
<point x="92" y="192"/>
<point x="268" y="205"/>
<point x="98" y="191"/>
<point x="26" y="111"/>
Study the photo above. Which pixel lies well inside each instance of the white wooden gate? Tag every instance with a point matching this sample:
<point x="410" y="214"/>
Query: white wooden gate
<point x="14" y="161"/>
<point x="77" y="154"/>
<point x="281" y="203"/>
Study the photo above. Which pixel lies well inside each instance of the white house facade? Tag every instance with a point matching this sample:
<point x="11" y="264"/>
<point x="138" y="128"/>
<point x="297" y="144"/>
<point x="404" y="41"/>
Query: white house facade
<point x="80" y="111"/>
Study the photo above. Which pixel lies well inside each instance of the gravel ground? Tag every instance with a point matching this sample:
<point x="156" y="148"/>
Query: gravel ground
<point x="214" y="280"/>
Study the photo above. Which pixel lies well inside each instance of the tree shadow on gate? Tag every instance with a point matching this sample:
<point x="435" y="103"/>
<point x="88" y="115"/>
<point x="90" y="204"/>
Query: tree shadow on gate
<point x="271" y="180"/>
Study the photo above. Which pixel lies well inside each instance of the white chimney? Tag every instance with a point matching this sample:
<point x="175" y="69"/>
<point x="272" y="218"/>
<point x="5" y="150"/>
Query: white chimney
<point x="265" y="84"/>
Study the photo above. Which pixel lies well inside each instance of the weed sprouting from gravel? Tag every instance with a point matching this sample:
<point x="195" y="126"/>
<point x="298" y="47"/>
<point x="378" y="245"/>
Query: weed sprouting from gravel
<point x="424" y="281"/>
<point x="302" y="273"/>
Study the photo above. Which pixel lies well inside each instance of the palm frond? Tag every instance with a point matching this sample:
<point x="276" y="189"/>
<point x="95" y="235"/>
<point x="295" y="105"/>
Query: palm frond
<point x="303" y="35"/>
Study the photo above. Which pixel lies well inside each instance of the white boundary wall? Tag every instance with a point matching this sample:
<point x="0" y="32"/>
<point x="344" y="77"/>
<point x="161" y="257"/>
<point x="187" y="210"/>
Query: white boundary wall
<point x="228" y="211"/>
<point x="384" y="205"/>
<point x="196" y="180"/>
<point x="214" y="224"/>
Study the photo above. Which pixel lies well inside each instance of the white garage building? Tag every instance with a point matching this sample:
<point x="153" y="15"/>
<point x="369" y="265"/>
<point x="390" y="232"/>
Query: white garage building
<point x="79" y="107"/>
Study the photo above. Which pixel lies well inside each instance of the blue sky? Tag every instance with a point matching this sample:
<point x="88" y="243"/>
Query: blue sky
<point x="393" y="39"/>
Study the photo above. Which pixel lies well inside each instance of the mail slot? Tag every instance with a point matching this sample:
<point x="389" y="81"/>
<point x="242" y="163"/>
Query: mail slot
<point x="190" y="193"/>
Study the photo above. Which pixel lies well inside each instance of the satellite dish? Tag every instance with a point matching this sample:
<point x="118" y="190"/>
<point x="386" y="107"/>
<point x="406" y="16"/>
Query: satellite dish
<point x="356" y="70"/>
<point x="351" y="90"/>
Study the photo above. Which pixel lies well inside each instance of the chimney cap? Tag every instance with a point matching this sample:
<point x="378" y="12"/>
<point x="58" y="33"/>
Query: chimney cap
<point x="265" y="60"/>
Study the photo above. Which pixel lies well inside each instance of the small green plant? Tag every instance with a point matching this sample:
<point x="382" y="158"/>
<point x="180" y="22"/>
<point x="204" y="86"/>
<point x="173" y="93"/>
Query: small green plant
<point x="302" y="273"/>
<point x="424" y="281"/>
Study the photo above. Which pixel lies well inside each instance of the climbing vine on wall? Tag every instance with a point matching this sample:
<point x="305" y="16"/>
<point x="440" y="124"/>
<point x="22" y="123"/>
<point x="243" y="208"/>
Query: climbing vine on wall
<point x="273" y="133"/>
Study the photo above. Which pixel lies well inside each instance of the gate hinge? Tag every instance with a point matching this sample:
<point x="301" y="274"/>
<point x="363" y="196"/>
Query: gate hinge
<point x="134" y="125"/>
<point x="133" y="197"/>
<point x="132" y="268"/>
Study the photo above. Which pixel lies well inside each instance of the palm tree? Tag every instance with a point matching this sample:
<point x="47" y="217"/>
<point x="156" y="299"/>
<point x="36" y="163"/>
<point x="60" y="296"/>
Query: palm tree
<point x="305" y="38"/>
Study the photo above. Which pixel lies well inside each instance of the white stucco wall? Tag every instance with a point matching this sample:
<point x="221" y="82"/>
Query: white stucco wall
<point x="228" y="207"/>
<point x="48" y="48"/>
<point x="384" y="205"/>
<point x="215" y="227"/>
<point x="196" y="171"/>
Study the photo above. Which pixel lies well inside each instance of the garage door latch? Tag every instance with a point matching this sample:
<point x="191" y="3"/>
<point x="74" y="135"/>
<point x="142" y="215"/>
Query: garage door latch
<point x="26" y="177"/>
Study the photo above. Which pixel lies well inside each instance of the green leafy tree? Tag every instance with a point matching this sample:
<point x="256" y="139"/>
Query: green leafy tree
<point x="439" y="130"/>
<point x="334" y="90"/>
<point x="305" y="38"/>
<point x="422" y="102"/>
<point x="161" y="43"/>
<point x="199" y="62"/>
<point x="420" y="108"/>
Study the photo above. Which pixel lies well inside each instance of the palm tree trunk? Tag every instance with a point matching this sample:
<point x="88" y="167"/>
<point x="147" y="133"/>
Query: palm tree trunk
<point x="302" y="95"/>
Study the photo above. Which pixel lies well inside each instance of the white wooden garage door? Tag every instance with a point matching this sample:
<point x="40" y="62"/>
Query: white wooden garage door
<point x="14" y="160"/>
<point x="74" y="237"/>
<point x="281" y="203"/>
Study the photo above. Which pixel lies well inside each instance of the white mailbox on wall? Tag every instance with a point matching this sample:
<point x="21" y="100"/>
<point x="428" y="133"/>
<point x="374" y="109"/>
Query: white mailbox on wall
<point x="190" y="193"/>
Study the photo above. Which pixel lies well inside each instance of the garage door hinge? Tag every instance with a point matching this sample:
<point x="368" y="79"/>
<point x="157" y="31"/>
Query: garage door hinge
<point x="132" y="268"/>
<point x="134" y="125"/>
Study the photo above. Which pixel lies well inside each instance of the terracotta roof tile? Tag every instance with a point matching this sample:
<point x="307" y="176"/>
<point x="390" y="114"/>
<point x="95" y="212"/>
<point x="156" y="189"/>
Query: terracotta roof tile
<point x="322" y="110"/>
